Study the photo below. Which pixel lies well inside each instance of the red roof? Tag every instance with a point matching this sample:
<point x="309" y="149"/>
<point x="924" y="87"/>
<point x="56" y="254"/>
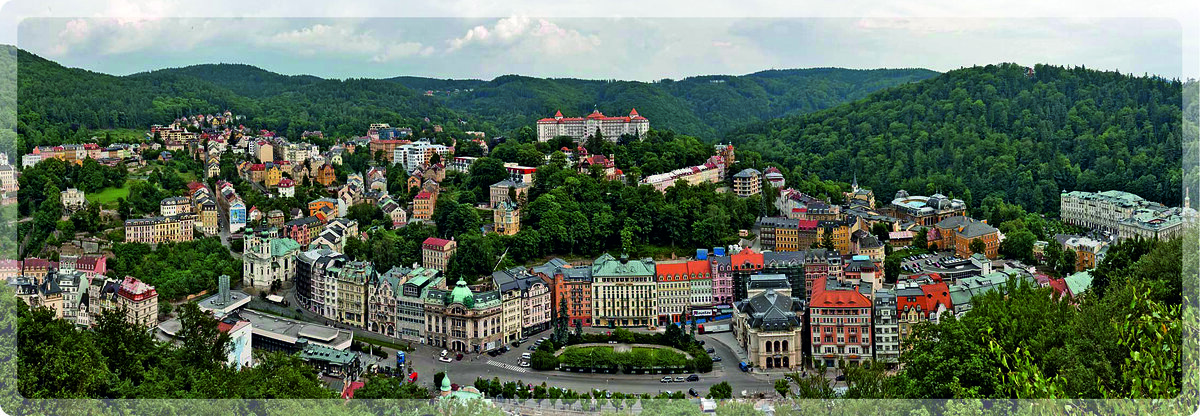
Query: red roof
<point x="807" y="224"/>
<point x="1059" y="285"/>
<point x="685" y="270"/>
<point x="348" y="392"/>
<point x="436" y="242"/>
<point x="424" y="195"/>
<point x="843" y="298"/>
<point x="558" y="114"/>
<point x="747" y="255"/>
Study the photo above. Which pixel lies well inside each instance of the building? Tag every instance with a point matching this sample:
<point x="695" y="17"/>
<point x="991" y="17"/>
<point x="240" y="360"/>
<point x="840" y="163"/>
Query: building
<point x="886" y="330"/>
<point x="417" y="155"/>
<point x="1102" y="211"/>
<point x="462" y="320"/>
<point x="506" y="218"/>
<point x="393" y="211"/>
<point x="747" y="182"/>
<point x="674" y="281"/>
<point x="582" y="128"/>
<point x="74" y="200"/>
<point x="1151" y="223"/>
<point x="302" y="230"/>
<point x="712" y="171"/>
<point x="840" y="322"/>
<point x="383" y="297"/>
<point x="410" y="306"/>
<point x="241" y="342"/>
<point x="154" y="230"/>
<point x="573" y="285"/>
<point x="352" y="282"/>
<point x="325" y="175"/>
<point x="774" y="177"/>
<point x="423" y="205"/>
<point x="920" y="300"/>
<point x="436" y="253"/>
<point x="139" y="301"/>
<point x="175" y="205"/>
<point x="769" y="328"/>
<point x="623" y="292"/>
<point x="314" y="270"/>
<point x="860" y="196"/>
<point x="533" y="299"/>
<point x="924" y="210"/>
<point x="506" y="190"/>
<point x="268" y="258"/>
<point x="958" y="232"/>
<point x="276" y="333"/>
<point x="1088" y="252"/>
<point x="287" y="188"/>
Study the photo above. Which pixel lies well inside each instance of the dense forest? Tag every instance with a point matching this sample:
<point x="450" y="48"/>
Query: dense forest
<point x="61" y="105"/>
<point x="993" y="130"/>
<point x="703" y="105"/>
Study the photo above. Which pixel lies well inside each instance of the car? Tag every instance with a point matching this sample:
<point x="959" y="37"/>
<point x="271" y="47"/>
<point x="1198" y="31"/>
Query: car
<point x="444" y="352"/>
<point x="445" y="359"/>
<point x="612" y="342"/>
<point x="523" y="363"/>
<point x="458" y="357"/>
<point x="665" y="380"/>
<point x="533" y="347"/>
<point x="693" y="393"/>
<point x="693" y="377"/>
<point x="680" y="379"/>
<point x="716" y="358"/>
<point x="710" y="350"/>
<point x="525" y="355"/>
<point x="701" y="342"/>
<point x="607" y="394"/>
<point x="840" y="377"/>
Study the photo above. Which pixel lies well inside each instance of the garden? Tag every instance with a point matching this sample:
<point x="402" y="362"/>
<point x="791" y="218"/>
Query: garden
<point x="673" y="351"/>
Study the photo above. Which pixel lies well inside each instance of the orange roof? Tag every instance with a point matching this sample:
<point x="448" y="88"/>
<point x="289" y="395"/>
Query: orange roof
<point x="684" y="269"/>
<point x="747" y="255"/>
<point x="842" y="298"/>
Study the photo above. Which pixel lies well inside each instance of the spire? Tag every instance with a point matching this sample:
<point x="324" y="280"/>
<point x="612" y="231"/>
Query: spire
<point x="855" y="185"/>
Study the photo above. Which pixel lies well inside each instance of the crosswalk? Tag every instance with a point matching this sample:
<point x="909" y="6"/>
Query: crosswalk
<point x="508" y="366"/>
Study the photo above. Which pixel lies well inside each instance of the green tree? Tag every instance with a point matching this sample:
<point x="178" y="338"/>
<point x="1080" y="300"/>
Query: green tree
<point x="977" y="246"/>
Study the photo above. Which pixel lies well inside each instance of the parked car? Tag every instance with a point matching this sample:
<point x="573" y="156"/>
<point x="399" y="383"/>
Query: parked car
<point x="665" y="380"/>
<point x="711" y="350"/>
<point x="444" y="352"/>
<point x="612" y="342"/>
<point x="693" y="393"/>
<point x="680" y="379"/>
<point x="840" y="377"/>
<point x="445" y="359"/>
<point x="701" y="342"/>
<point x="693" y="377"/>
<point x="716" y="358"/>
<point x="458" y="357"/>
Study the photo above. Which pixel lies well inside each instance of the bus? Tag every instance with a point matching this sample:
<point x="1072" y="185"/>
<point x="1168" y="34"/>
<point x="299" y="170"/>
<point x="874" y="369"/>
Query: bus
<point x="713" y="328"/>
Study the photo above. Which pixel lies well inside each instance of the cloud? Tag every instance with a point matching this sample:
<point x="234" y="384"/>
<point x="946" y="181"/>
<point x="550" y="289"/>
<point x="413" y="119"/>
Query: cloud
<point x="525" y="33"/>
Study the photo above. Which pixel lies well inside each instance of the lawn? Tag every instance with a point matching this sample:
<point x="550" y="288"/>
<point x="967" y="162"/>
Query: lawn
<point x="109" y="196"/>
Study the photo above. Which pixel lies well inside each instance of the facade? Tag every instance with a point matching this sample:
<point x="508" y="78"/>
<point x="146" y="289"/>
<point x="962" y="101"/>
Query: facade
<point x="532" y="296"/>
<point x="74" y="200"/>
<point x="840" y="322"/>
<point x="958" y="232"/>
<point x="410" y="312"/>
<point x="423" y="205"/>
<point x="268" y="258"/>
<point x="352" y="282"/>
<point x="383" y="295"/>
<point x="769" y="328"/>
<point x="140" y="302"/>
<point x="436" y="253"/>
<point x="501" y="192"/>
<point x="920" y="300"/>
<point x="623" y="292"/>
<point x="886" y="331"/>
<point x="302" y="230"/>
<point x="1151" y="223"/>
<point x="747" y="182"/>
<point x="174" y="206"/>
<point x="722" y="282"/>
<point x="506" y="218"/>
<point x="154" y="230"/>
<point x="675" y="293"/>
<point x="581" y="128"/>
<point x="462" y="320"/>
<point x="574" y="285"/>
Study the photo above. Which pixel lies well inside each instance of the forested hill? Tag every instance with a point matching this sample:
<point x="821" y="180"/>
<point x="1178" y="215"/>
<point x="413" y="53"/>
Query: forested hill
<point x="59" y="105"/>
<point x="989" y="130"/>
<point x="702" y="106"/>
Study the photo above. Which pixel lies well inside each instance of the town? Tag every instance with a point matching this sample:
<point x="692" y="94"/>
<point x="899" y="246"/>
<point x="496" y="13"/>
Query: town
<point x="812" y="283"/>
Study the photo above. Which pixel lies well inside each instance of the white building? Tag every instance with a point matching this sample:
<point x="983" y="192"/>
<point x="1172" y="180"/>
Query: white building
<point x="267" y="258"/>
<point x="581" y="128"/>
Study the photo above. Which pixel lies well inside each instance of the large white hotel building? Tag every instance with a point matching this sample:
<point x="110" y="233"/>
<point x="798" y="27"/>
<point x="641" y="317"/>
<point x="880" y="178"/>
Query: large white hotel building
<point x="581" y="128"/>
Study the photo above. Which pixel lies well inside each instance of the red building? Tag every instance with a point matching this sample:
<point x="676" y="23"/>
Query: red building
<point x="575" y="285"/>
<point x="840" y="322"/>
<point x="918" y="300"/>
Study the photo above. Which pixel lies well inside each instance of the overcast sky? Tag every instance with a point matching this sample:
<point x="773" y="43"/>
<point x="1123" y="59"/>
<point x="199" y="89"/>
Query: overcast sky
<point x="122" y="37"/>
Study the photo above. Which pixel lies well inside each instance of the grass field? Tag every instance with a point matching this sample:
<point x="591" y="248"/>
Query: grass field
<point x="109" y="196"/>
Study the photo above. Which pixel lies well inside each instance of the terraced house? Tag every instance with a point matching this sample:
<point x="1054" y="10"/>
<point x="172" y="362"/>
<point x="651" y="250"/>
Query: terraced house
<point x="624" y="292"/>
<point x="674" y="285"/>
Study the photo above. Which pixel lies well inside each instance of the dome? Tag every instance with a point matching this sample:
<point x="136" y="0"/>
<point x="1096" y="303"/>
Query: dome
<point x="461" y="293"/>
<point x="938" y="196"/>
<point x="901" y="194"/>
<point x="446" y="379"/>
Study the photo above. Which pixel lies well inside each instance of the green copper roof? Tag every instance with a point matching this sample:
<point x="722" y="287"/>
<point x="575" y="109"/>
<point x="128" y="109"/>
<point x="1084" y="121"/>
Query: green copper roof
<point x="1078" y="282"/>
<point x="461" y="293"/>
<point x="446" y="382"/>
<point x="283" y="246"/>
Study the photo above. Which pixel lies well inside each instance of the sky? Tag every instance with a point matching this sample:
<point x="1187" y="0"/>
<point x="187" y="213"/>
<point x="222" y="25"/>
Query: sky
<point x="673" y="40"/>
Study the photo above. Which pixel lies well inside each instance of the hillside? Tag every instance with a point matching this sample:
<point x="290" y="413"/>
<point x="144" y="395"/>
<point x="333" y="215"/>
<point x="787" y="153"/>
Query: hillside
<point x="704" y="105"/>
<point x="989" y="130"/>
<point x="59" y="104"/>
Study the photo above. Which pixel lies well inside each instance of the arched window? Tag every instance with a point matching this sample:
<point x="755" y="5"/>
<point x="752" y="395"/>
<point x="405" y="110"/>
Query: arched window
<point x="768" y="346"/>
<point x="785" y="346"/>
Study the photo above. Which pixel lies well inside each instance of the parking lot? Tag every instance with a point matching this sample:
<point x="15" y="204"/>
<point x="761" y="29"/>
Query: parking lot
<point x="936" y="262"/>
